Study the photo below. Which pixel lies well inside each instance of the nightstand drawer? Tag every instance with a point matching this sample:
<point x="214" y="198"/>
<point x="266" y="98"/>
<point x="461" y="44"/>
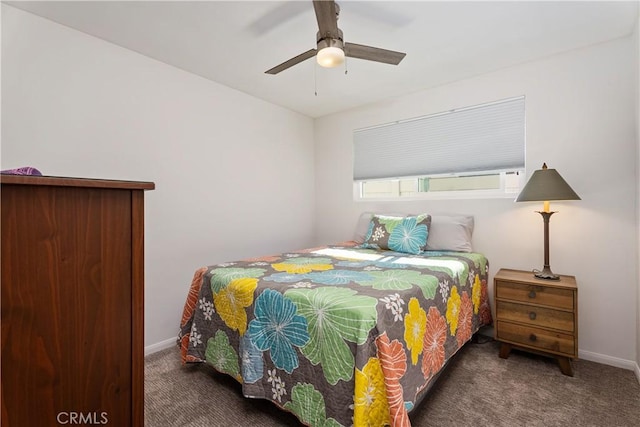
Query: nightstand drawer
<point x="537" y="338"/>
<point x="535" y="316"/>
<point x="550" y="296"/>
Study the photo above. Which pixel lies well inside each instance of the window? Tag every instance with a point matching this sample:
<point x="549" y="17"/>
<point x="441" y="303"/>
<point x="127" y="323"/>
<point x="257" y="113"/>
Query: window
<point x="476" y="151"/>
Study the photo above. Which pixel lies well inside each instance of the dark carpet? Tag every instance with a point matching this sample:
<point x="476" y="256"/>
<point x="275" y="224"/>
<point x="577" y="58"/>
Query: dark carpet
<point x="477" y="389"/>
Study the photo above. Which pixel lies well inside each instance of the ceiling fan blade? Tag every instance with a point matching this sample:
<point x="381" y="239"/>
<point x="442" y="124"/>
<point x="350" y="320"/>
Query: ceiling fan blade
<point x="327" y="18"/>
<point x="278" y="16"/>
<point x="291" y="62"/>
<point x="369" y="53"/>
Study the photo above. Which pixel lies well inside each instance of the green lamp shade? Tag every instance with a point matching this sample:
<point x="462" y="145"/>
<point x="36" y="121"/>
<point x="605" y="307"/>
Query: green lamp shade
<point x="546" y="184"/>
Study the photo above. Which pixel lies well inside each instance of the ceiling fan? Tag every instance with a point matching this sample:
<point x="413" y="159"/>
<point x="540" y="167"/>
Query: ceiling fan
<point x="331" y="48"/>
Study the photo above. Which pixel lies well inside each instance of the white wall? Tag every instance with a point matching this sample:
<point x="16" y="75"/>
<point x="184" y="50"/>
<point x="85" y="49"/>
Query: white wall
<point x="636" y="36"/>
<point x="234" y="175"/>
<point x="580" y="113"/>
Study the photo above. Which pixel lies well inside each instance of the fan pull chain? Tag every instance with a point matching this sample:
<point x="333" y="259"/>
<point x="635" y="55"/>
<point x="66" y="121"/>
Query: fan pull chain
<point x="345" y="66"/>
<point x="315" y="79"/>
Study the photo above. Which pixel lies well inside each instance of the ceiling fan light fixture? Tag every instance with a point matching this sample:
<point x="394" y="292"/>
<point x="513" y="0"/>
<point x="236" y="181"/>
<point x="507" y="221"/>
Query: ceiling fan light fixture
<point x="330" y="48"/>
<point x="330" y="57"/>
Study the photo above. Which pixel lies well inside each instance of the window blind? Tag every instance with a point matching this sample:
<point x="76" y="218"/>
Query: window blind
<point x="486" y="137"/>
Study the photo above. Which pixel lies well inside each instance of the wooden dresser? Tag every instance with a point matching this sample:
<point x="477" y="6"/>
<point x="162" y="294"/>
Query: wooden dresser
<point x="72" y="301"/>
<point x="537" y="315"/>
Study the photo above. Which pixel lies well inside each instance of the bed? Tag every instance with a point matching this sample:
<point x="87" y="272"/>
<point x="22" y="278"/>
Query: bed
<point x="340" y="335"/>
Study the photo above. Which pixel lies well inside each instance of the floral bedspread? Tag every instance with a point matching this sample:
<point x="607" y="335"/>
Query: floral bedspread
<point x="337" y="335"/>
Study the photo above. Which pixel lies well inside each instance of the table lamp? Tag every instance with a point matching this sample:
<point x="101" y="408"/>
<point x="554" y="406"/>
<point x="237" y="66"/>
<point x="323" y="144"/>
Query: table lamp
<point x="545" y="185"/>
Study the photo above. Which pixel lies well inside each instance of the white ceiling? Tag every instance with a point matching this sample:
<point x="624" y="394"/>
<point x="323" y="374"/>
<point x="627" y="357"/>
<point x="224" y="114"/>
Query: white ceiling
<point x="234" y="42"/>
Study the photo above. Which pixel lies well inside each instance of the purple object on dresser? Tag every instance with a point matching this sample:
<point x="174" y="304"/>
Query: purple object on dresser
<point x="25" y="170"/>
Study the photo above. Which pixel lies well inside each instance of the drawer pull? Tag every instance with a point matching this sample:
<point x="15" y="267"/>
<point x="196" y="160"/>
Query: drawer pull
<point x="532" y="294"/>
<point x="532" y="315"/>
<point x="533" y="337"/>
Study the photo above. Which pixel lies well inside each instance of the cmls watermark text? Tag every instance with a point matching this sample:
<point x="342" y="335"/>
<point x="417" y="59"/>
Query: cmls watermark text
<point x="81" y="418"/>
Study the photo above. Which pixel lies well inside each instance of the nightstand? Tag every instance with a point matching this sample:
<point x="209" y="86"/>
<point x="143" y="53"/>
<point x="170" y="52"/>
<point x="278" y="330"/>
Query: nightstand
<point x="537" y="315"/>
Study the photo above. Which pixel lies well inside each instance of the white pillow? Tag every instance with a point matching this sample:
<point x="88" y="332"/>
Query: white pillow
<point x="450" y="233"/>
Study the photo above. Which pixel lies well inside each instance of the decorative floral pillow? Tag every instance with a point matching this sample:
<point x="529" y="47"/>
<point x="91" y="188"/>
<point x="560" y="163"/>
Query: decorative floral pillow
<point x="400" y="234"/>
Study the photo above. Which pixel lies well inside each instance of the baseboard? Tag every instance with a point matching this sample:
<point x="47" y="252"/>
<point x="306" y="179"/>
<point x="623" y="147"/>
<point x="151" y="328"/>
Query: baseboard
<point x="588" y="355"/>
<point x="154" y="348"/>
<point x="611" y="361"/>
